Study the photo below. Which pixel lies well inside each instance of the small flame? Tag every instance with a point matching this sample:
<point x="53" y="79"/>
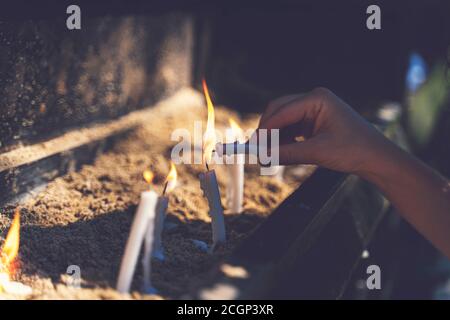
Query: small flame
<point x="210" y="133"/>
<point x="10" y="247"/>
<point x="171" y="179"/>
<point x="8" y="259"/>
<point x="148" y="176"/>
<point x="236" y="130"/>
<point x="234" y="125"/>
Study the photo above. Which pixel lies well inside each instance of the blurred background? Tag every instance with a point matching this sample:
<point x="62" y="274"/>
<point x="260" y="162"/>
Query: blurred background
<point x="249" y="53"/>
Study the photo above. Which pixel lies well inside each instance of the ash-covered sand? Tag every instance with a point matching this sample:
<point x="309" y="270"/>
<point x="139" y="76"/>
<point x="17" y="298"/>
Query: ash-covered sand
<point x="84" y="217"/>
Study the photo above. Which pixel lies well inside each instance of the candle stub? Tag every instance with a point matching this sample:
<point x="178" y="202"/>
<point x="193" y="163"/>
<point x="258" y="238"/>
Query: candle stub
<point x="210" y="187"/>
<point x="145" y="213"/>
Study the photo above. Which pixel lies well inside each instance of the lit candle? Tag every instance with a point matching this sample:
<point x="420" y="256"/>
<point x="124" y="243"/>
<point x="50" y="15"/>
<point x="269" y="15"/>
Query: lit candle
<point x="144" y="214"/>
<point x="208" y="179"/>
<point x="208" y="183"/>
<point x="161" y="208"/>
<point x="153" y="236"/>
<point x="235" y="170"/>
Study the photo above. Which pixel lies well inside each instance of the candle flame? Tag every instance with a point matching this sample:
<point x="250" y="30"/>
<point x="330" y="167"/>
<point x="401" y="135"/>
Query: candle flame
<point x="148" y="176"/>
<point x="236" y="130"/>
<point x="10" y="248"/>
<point x="171" y="179"/>
<point x="8" y="260"/>
<point x="234" y="125"/>
<point x="209" y="138"/>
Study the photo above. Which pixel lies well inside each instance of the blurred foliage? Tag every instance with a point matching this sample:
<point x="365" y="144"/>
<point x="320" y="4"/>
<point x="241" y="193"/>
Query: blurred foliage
<point x="425" y="106"/>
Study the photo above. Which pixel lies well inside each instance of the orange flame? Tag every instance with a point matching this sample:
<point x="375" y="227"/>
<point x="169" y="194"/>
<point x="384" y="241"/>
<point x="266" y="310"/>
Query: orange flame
<point x="234" y="125"/>
<point x="148" y="176"/>
<point x="171" y="179"/>
<point x="210" y="133"/>
<point x="235" y="129"/>
<point x="10" y="248"/>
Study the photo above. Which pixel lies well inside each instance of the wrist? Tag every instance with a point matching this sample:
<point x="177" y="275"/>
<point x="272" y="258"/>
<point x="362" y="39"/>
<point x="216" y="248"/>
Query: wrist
<point x="384" y="163"/>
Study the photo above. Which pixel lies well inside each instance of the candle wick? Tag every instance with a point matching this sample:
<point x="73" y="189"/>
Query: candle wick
<point x="165" y="187"/>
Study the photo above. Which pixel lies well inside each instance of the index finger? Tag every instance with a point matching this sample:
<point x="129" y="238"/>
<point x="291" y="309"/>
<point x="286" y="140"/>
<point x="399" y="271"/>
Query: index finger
<point x="302" y="107"/>
<point x="276" y="104"/>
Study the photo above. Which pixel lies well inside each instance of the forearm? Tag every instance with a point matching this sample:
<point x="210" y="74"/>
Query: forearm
<point x="420" y="195"/>
<point x="339" y="139"/>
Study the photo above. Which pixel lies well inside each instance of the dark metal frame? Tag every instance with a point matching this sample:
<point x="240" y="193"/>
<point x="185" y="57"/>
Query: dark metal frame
<point x="308" y="247"/>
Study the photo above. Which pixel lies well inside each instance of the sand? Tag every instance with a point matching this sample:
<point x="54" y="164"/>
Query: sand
<point x="83" y="218"/>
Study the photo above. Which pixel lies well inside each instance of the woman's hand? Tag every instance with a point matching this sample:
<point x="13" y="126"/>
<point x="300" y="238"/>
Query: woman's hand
<point x="336" y="137"/>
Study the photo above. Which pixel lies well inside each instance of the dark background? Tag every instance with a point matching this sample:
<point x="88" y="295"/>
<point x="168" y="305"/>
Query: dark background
<point x="260" y="53"/>
<point x="251" y="51"/>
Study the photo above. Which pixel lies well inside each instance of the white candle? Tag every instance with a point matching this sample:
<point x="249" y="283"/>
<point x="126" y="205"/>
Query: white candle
<point x="235" y="184"/>
<point x="208" y="180"/>
<point x="239" y="148"/>
<point x="144" y="214"/>
<point x="208" y="183"/>
<point x="153" y="242"/>
<point x="235" y="170"/>
<point x="161" y="208"/>
<point x="153" y="236"/>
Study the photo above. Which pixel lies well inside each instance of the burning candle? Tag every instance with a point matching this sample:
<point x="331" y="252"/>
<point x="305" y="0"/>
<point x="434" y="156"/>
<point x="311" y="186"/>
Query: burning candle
<point x="208" y="183"/>
<point x="153" y="237"/>
<point x="144" y="214"/>
<point x="235" y="170"/>
<point x="161" y="208"/>
<point x="208" y="179"/>
<point x="8" y="255"/>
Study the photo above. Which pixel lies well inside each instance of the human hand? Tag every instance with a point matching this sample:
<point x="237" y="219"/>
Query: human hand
<point x="336" y="137"/>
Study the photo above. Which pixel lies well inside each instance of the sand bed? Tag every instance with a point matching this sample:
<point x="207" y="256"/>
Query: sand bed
<point x="83" y="218"/>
